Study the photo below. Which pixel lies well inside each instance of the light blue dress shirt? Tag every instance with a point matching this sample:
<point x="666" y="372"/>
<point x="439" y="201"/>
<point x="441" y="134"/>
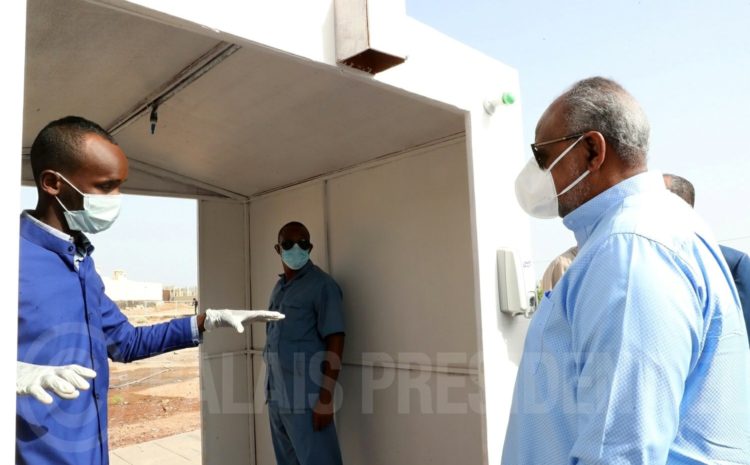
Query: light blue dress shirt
<point x="639" y="354"/>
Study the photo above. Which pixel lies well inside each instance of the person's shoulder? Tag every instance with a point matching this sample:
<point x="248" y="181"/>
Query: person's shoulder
<point x="736" y="259"/>
<point x="322" y="276"/>
<point x="733" y="255"/>
<point x="319" y="272"/>
<point x="661" y="218"/>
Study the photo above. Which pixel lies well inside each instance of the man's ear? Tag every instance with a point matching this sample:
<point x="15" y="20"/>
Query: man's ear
<point x="597" y="147"/>
<point x="277" y="249"/>
<point x="49" y="183"/>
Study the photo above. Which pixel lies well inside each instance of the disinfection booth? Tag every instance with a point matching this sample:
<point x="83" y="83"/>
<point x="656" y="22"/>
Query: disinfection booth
<point x="396" y="145"/>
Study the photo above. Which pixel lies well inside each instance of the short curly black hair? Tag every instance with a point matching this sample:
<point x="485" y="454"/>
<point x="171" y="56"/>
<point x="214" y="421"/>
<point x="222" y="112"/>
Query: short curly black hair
<point x="294" y="224"/>
<point x="57" y="146"/>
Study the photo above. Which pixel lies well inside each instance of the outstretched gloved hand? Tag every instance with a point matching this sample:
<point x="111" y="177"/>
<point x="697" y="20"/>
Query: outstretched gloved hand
<point x="62" y="380"/>
<point x="235" y="318"/>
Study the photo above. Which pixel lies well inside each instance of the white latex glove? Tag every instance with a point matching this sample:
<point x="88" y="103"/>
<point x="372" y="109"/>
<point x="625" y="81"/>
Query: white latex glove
<point x="62" y="380"/>
<point x="235" y="318"/>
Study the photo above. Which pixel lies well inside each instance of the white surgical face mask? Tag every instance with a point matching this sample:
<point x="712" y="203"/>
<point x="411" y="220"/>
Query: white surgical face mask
<point x="99" y="211"/>
<point x="535" y="188"/>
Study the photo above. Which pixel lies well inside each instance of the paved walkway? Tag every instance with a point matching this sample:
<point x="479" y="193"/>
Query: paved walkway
<point x="182" y="449"/>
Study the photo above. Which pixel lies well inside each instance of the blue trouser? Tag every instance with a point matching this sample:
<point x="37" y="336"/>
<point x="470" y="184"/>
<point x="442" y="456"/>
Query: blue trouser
<point x="296" y="443"/>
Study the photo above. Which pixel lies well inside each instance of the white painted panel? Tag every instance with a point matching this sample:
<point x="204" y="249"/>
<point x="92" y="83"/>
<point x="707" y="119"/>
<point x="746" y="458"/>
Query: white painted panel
<point x="470" y="78"/>
<point x="64" y="36"/>
<point x="11" y="94"/>
<point x="226" y="390"/>
<point x="226" y="381"/>
<point x="400" y="241"/>
<point x="385" y="23"/>
<point x="497" y="154"/>
<point x="267" y="215"/>
<point x="222" y="280"/>
<point x="301" y="27"/>
<point x="264" y="454"/>
<point x="401" y="417"/>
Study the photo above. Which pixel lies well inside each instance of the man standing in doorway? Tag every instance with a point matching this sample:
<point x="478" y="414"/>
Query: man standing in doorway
<point x="738" y="261"/>
<point x="303" y="355"/>
<point x="639" y="356"/>
<point x="64" y="316"/>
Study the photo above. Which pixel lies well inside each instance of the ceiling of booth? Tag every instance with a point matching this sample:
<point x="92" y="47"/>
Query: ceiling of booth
<point x="258" y="120"/>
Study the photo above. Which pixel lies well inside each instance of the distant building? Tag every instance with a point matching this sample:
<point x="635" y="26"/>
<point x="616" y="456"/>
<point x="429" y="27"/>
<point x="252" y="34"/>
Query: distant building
<point x="129" y="293"/>
<point x="179" y="294"/>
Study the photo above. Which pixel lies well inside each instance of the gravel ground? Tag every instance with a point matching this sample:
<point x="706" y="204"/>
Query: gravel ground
<point x="156" y="397"/>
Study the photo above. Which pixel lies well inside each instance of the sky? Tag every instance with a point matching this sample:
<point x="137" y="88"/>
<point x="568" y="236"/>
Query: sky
<point x="687" y="62"/>
<point x="153" y="240"/>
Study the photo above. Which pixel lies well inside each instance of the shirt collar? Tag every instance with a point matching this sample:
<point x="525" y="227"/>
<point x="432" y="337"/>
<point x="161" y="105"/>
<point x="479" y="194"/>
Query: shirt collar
<point x="82" y="245"/>
<point x="55" y="232"/>
<point x="584" y="219"/>
<point x="301" y="272"/>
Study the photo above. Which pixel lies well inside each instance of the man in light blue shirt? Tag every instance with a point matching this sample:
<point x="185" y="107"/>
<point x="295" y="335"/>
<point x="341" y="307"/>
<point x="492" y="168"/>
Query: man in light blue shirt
<point x="738" y="261"/>
<point x="639" y="355"/>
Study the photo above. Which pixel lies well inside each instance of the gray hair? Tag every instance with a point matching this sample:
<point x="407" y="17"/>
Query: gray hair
<point x="682" y="187"/>
<point x="600" y="104"/>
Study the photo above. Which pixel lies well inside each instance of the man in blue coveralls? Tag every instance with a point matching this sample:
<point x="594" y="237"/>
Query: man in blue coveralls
<point x="64" y="317"/>
<point x="303" y="355"/>
<point x="639" y="355"/>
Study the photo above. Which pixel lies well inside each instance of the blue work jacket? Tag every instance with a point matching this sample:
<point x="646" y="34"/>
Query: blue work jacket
<point x="739" y="266"/>
<point x="295" y="346"/>
<point x="64" y="318"/>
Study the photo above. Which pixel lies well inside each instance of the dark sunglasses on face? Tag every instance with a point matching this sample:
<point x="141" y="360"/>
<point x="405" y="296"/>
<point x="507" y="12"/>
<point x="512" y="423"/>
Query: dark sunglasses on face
<point x="304" y="244"/>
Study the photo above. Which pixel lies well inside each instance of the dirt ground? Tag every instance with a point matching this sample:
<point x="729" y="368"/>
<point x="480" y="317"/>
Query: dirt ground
<point x="156" y="397"/>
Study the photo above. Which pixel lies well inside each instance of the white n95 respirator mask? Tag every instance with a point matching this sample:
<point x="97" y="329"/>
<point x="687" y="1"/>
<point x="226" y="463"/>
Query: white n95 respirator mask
<point x="535" y="188"/>
<point x="99" y="211"/>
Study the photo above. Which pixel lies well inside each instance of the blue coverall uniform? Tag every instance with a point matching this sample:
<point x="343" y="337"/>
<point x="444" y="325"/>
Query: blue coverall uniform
<point x="294" y="353"/>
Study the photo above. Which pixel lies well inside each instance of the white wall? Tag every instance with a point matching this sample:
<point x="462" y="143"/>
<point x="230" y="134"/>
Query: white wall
<point x="397" y="238"/>
<point x="496" y="154"/>
<point x="225" y="365"/>
<point x="400" y="237"/>
<point x="120" y="288"/>
<point x="11" y="94"/>
<point x="301" y="27"/>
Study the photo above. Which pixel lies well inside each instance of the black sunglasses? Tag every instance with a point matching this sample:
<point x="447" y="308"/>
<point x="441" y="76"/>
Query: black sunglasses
<point x="287" y="244"/>
<point x="539" y="156"/>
